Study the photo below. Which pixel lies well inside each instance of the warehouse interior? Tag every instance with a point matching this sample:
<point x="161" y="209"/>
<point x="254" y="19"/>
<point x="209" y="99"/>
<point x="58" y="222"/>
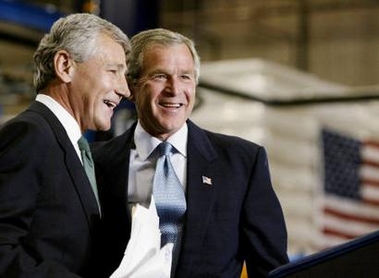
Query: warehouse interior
<point x="334" y="39"/>
<point x="321" y="57"/>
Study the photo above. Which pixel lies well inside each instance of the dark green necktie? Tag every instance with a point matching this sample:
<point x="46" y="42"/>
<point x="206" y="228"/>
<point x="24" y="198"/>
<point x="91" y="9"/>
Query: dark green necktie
<point x="88" y="165"/>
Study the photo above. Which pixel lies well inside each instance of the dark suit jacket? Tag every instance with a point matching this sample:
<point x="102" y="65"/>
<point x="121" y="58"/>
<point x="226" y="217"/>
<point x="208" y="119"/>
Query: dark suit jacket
<point x="48" y="211"/>
<point x="236" y="218"/>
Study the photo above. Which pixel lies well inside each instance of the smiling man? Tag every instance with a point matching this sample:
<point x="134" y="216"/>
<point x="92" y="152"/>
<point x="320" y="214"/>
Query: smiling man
<point x="224" y="210"/>
<point x="165" y="91"/>
<point x="49" y="213"/>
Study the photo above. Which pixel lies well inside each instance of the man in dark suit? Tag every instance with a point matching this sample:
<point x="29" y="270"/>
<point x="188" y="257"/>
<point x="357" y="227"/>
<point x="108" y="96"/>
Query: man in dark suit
<point x="49" y="214"/>
<point x="232" y="212"/>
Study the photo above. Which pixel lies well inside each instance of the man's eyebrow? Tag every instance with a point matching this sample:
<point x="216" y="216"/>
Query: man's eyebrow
<point x="120" y="67"/>
<point x="157" y="71"/>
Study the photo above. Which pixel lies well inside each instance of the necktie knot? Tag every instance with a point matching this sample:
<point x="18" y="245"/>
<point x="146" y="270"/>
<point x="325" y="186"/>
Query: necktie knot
<point x="164" y="148"/>
<point x="86" y="151"/>
<point x="83" y="144"/>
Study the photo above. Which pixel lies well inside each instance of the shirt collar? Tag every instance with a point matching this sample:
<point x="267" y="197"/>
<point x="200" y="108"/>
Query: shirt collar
<point x="66" y="119"/>
<point x="146" y="144"/>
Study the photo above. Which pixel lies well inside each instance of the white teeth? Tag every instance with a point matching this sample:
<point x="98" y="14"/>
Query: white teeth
<point x="171" y="105"/>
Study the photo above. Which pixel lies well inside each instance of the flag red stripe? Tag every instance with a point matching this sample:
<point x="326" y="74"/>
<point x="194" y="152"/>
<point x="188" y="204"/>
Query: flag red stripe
<point x="373" y="201"/>
<point x="346" y="216"/>
<point x="371" y="182"/>
<point x="329" y="231"/>
<point x="371" y="143"/>
<point x="371" y="163"/>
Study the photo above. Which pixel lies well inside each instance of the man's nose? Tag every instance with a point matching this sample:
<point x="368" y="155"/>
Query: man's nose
<point x="123" y="87"/>
<point x="173" y="86"/>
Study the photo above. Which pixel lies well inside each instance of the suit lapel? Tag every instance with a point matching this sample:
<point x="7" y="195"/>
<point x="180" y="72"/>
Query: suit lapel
<point x="200" y="190"/>
<point x="72" y="162"/>
<point x="119" y="176"/>
<point x="113" y="185"/>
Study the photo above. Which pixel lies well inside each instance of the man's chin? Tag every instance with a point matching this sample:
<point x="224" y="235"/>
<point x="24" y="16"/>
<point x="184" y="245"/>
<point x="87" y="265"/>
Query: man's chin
<point x="105" y="126"/>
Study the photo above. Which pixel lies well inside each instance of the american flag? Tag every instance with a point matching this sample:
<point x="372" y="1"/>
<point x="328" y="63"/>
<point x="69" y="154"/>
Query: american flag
<point x="350" y="206"/>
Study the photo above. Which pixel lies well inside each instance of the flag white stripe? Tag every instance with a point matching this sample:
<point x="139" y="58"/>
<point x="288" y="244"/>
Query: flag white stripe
<point x="370" y="193"/>
<point x="369" y="172"/>
<point x="370" y="153"/>
<point x="352" y="207"/>
<point x="348" y="227"/>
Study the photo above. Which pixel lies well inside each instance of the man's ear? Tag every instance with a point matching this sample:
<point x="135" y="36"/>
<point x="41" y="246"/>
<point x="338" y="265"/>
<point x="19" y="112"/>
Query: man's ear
<point x="64" y="66"/>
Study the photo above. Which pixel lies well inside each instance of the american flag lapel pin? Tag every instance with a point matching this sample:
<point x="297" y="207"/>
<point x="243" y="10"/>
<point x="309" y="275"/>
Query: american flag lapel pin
<point x="206" y="180"/>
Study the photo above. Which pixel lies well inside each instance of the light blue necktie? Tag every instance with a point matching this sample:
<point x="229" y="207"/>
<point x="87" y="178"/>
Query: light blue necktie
<point x="169" y="197"/>
<point x="88" y="165"/>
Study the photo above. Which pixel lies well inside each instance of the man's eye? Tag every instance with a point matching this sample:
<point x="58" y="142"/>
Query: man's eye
<point x="187" y="77"/>
<point x="159" y="76"/>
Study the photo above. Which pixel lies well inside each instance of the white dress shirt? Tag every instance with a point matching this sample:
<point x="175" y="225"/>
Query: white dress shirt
<point x="69" y="123"/>
<point x="142" y="164"/>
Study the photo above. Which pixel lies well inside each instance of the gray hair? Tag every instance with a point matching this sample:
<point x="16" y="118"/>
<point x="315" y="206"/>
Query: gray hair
<point x="143" y="40"/>
<point x="77" y="34"/>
